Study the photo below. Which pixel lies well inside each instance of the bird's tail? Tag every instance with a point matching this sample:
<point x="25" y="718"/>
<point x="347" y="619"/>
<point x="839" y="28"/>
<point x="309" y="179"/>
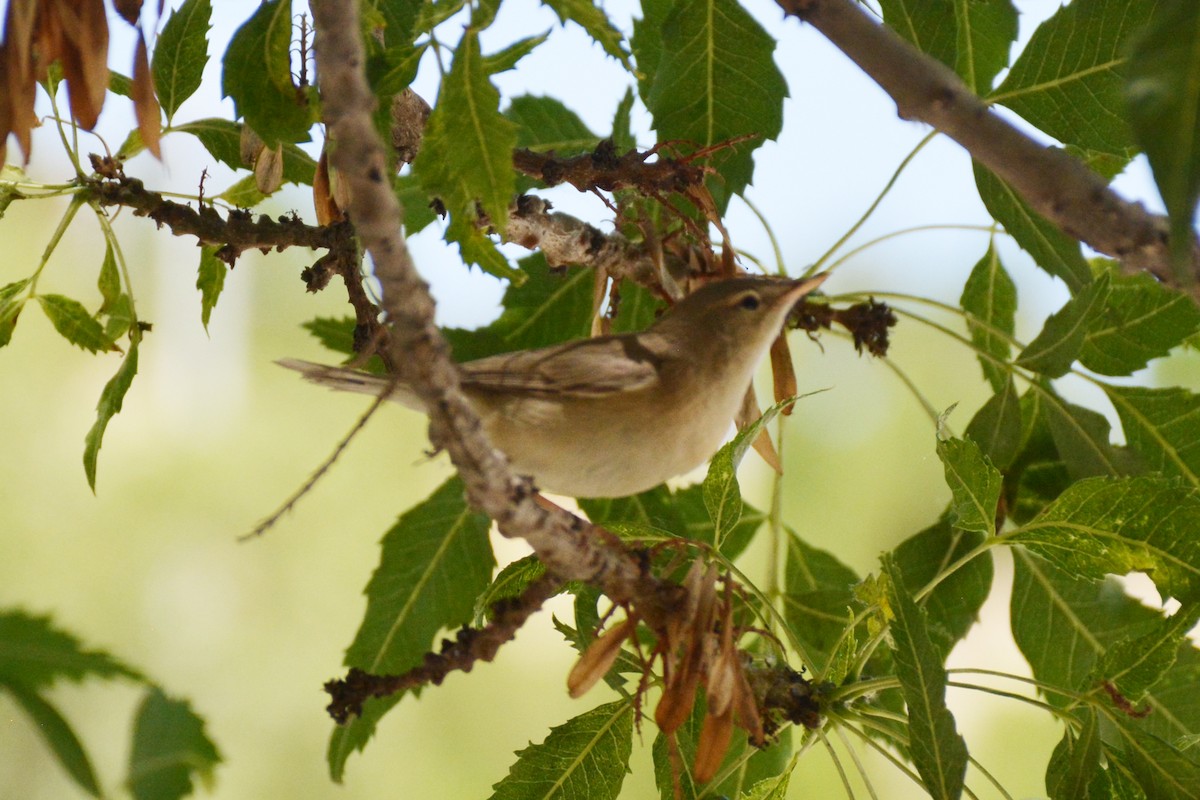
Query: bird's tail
<point x="351" y="380"/>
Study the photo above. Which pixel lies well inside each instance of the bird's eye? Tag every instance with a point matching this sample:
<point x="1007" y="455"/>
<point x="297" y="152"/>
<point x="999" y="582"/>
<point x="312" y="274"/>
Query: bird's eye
<point x="750" y="301"/>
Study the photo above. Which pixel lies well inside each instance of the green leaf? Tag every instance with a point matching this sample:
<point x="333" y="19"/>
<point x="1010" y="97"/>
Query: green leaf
<point x="1081" y="437"/>
<point x="109" y="281"/>
<point x="722" y="495"/>
<point x="953" y="605"/>
<point x="111" y="399"/>
<point x="990" y="300"/>
<point x="74" y="323"/>
<point x="544" y="123"/>
<point x="1120" y="525"/>
<point x="477" y="248"/>
<point x="244" y="193"/>
<point x="548" y="308"/>
<point x="1142" y="319"/>
<point x="418" y="212"/>
<point x="1052" y="250"/>
<point x="986" y="32"/>
<point x="58" y="735"/>
<point x="647" y="43"/>
<point x="1055" y="349"/>
<point x="1162" y="426"/>
<point x="257" y="75"/>
<point x="34" y="654"/>
<point x="938" y="751"/>
<point x="170" y="750"/>
<point x="996" y="426"/>
<point x="180" y="54"/>
<point x="591" y="17"/>
<point x="974" y="484"/>
<point x="436" y="560"/>
<point x="1163" y="772"/>
<point x="336" y="334"/>
<point x="120" y="84"/>
<point x="1075" y="761"/>
<point x="507" y="58"/>
<point x="1136" y="664"/>
<point x="432" y="14"/>
<point x="466" y="154"/>
<point x="1163" y="96"/>
<point x="512" y="580"/>
<point x="210" y="280"/>
<point x="715" y="80"/>
<point x="818" y="599"/>
<point x="10" y="308"/>
<point x="1068" y="79"/>
<point x="222" y="139"/>
<point x="622" y="132"/>
<point x="1063" y="625"/>
<point x="927" y="25"/>
<point x="586" y="757"/>
<point x="399" y="18"/>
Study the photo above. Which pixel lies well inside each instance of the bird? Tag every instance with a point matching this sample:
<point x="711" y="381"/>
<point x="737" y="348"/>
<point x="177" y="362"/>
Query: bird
<point x="616" y="415"/>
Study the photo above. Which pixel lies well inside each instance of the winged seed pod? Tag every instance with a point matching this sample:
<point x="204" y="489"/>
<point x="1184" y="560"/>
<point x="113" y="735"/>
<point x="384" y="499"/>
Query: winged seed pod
<point x="599" y="657"/>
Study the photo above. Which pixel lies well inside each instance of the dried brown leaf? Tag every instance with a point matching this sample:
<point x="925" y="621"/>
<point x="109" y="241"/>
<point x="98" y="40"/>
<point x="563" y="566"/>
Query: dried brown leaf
<point x="84" y="54"/>
<point x="130" y="10"/>
<point x="715" y="735"/>
<point x="783" y="371"/>
<point x="749" y="414"/>
<point x="268" y="169"/>
<point x="145" y="103"/>
<point x="326" y="207"/>
<point x="599" y="657"/>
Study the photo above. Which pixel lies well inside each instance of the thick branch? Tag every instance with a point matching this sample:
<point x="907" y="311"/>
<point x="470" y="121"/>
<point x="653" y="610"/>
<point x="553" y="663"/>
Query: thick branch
<point x="1057" y="186"/>
<point x="570" y="547"/>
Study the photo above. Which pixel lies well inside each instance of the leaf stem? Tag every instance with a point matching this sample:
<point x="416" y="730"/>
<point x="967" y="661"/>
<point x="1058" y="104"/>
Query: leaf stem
<point x="55" y="238"/>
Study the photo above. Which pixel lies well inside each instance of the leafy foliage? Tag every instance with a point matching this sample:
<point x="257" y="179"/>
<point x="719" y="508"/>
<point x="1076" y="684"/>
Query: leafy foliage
<point x="1075" y="501"/>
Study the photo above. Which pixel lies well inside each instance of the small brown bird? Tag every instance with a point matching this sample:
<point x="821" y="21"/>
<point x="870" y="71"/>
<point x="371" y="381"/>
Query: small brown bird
<point x="616" y="415"/>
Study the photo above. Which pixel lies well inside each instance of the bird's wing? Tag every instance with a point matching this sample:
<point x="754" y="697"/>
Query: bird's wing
<point x="586" y="368"/>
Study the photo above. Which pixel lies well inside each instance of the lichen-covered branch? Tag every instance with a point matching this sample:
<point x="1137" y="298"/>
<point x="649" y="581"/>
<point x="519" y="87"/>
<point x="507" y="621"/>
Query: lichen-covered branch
<point x="1056" y="185"/>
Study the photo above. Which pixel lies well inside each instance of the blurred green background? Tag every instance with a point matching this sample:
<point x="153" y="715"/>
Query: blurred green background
<point x="213" y="437"/>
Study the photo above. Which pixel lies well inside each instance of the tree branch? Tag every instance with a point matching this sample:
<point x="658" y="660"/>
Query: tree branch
<point x="1056" y="185"/>
<point x="569" y="546"/>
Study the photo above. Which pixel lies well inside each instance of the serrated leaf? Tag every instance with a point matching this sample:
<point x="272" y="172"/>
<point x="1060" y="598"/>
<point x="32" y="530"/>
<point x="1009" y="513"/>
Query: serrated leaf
<point x="74" y="323"/>
<point x="938" y="751"/>
<point x="170" y="750"/>
<point x="181" y="53"/>
<point x="1162" y="426"/>
<point x="1136" y="664"/>
<point x="1081" y="437"/>
<point x="1052" y="250"/>
<point x="1055" y="348"/>
<point x="647" y="43"/>
<point x="257" y="75"/>
<point x="512" y="580"/>
<point x="210" y="280"/>
<point x="35" y="653"/>
<point x="111" y="399"/>
<point x="622" y="132"/>
<point x="817" y="600"/>
<point x="120" y="317"/>
<point x="990" y="300"/>
<point x="507" y="58"/>
<point x="544" y="123"/>
<point x="996" y="426"/>
<point x="716" y="80"/>
<point x="1102" y="526"/>
<point x="592" y="18"/>
<point x="1068" y="79"/>
<point x="974" y="484"/>
<point x="222" y="139"/>
<point x="1063" y="625"/>
<point x="399" y="17"/>
<point x="927" y="25"/>
<point x="10" y="308"/>
<point x="1142" y="319"/>
<point x="986" y="32"/>
<point x="585" y="758"/>
<point x="336" y="334"/>
<point x="1163" y="772"/>
<point x="244" y="193"/>
<point x="722" y="495"/>
<point x="953" y="605"/>
<point x="477" y="248"/>
<point x="1163" y="97"/>
<point x="109" y="282"/>
<point x="466" y="153"/>
<point x="58" y="735"/>
<point x="418" y="213"/>
<point x="1075" y="761"/>
<point x="436" y="560"/>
